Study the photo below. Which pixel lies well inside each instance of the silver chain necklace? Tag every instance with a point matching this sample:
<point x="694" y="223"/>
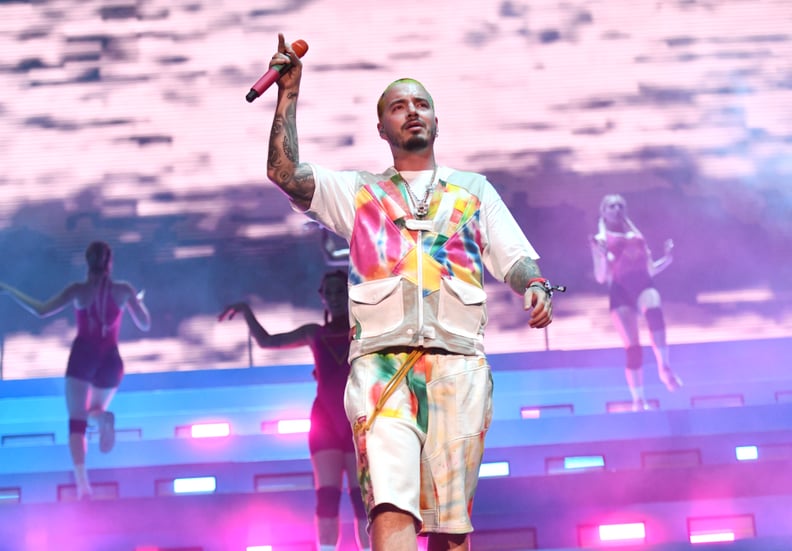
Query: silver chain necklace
<point x="421" y="206"/>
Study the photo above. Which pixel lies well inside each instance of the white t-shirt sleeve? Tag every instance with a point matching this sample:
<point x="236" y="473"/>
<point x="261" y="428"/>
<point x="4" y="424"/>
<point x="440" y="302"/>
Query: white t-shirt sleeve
<point x="333" y="202"/>
<point x="504" y="241"/>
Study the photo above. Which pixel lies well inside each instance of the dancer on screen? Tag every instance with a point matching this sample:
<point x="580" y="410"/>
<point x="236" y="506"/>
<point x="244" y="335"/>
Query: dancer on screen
<point x="95" y="369"/>
<point x="623" y="262"/>
<point x="330" y="438"/>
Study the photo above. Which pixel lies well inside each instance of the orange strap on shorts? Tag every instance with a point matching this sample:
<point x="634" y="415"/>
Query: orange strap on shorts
<point x="389" y="389"/>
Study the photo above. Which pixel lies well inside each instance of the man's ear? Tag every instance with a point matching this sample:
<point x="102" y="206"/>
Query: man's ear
<point x="381" y="130"/>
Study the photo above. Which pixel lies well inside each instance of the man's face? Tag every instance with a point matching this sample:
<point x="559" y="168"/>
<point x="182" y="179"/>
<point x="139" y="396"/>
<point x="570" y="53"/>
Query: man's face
<point x="408" y="120"/>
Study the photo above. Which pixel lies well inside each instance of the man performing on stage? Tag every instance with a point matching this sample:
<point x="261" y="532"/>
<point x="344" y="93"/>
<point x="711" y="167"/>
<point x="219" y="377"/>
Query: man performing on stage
<point x="419" y="394"/>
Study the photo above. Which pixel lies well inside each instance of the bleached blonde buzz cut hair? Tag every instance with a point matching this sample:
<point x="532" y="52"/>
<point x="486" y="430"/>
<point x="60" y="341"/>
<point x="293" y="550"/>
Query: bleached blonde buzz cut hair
<point x="381" y="101"/>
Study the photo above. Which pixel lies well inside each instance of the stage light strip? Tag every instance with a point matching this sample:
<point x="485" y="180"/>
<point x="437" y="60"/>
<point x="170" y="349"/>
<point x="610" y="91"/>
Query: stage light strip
<point x="584" y="462"/>
<point x="10" y="495"/>
<point x="27" y="439"/>
<point x="574" y="463"/>
<point x="283" y="482"/>
<point x="723" y="401"/>
<point x="715" y="537"/>
<point x="292" y="426"/>
<point x="535" y="412"/>
<point x="746" y="453"/>
<point x="286" y="426"/>
<point x="259" y="548"/>
<point x="195" y="485"/>
<point x="622" y="532"/>
<point x="672" y="459"/>
<point x="210" y="430"/>
<point x="717" y="529"/>
<point x="494" y="469"/>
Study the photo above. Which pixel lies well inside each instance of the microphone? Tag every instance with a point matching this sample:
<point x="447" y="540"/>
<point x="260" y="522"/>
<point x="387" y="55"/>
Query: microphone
<point x="299" y="47"/>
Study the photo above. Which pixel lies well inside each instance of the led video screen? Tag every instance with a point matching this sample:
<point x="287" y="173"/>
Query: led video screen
<point x="127" y="122"/>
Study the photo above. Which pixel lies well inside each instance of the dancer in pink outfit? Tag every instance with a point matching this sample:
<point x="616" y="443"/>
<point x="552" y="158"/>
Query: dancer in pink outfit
<point x="330" y="438"/>
<point x="623" y="261"/>
<point x="95" y="368"/>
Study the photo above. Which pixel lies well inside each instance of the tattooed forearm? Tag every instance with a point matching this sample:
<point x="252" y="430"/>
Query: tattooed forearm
<point x="290" y="148"/>
<point x="523" y="271"/>
<point x="283" y="161"/>
<point x="290" y="143"/>
<point x="277" y="126"/>
<point x="284" y="152"/>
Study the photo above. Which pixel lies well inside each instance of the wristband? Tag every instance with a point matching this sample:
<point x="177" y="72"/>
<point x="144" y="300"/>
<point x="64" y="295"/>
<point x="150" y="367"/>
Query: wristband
<point x="545" y="285"/>
<point x="540" y="280"/>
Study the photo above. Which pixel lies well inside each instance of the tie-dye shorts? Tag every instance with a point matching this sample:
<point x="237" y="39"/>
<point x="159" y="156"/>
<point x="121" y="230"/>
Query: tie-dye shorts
<point x="423" y="451"/>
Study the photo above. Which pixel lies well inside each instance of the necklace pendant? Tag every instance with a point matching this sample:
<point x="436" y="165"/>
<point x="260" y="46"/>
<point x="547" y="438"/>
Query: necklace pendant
<point x="421" y="210"/>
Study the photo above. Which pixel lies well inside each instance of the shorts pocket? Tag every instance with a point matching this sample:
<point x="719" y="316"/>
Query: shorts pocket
<point x="377" y="306"/>
<point x="474" y="401"/>
<point x="461" y="307"/>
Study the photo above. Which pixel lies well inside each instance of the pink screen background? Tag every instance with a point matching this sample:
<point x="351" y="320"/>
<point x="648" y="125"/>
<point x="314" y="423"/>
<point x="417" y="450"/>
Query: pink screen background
<point x="128" y="123"/>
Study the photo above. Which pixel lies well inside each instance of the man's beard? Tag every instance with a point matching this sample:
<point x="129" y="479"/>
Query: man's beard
<point x="415" y="143"/>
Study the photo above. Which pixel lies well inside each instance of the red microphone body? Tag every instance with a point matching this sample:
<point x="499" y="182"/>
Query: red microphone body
<point x="267" y="79"/>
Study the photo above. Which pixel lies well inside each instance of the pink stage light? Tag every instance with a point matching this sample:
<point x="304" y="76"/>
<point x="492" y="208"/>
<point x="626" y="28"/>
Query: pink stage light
<point x="210" y="430"/>
<point x="712" y="538"/>
<point x="555" y="410"/>
<point x="622" y="532"/>
<point x="286" y="426"/>
<point x="293" y="426"/>
<point x="721" y="528"/>
<point x="610" y="535"/>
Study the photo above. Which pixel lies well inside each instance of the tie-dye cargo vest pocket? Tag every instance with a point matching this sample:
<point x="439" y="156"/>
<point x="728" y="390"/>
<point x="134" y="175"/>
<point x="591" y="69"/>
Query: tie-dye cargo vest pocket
<point x="461" y="307"/>
<point x="377" y="307"/>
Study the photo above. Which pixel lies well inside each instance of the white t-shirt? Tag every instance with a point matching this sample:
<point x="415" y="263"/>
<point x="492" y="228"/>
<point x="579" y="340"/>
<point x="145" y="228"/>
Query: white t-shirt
<point x="333" y="205"/>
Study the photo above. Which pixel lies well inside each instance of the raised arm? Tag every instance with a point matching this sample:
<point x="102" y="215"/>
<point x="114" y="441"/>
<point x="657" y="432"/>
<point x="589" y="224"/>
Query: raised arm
<point x="536" y="297"/>
<point x="39" y="308"/>
<point x="292" y="339"/>
<point x="134" y="303"/>
<point x="657" y="266"/>
<point x="283" y="163"/>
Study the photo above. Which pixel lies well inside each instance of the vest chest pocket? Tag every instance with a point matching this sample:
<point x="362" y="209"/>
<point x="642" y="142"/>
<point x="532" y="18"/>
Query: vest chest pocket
<point x="376" y="306"/>
<point x="462" y="307"/>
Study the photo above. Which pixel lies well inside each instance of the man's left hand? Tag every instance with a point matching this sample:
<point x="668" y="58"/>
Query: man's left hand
<point x="537" y="300"/>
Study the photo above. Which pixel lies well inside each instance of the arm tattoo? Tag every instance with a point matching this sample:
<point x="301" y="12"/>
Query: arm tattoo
<point x="290" y="148"/>
<point x="283" y="162"/>
<point x="523" y="271"/>
<point x="283" y="149"/>
<point x="277" y="125"/>
<point x="290" y="144"/>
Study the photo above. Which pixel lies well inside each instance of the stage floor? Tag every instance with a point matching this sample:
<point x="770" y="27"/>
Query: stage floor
<point x="568" y="457"/>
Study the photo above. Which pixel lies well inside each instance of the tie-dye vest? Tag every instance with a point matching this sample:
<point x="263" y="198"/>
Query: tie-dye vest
<point x="410" y="292"/>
